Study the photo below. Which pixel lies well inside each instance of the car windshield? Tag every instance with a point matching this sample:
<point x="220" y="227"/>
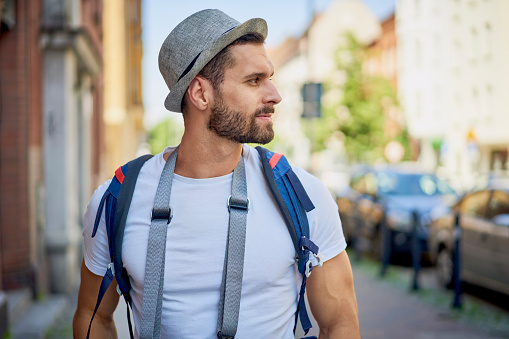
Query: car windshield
<point x="412" y="184"/>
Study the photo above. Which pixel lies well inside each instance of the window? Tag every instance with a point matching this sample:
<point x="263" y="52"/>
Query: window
<point x="457" y="61"/>
<point x="438" y="108"/>
<point x="474" y="44"/>
<point x="411" y="184"/>
<point x="476" y="107"/>
<point x="437" y="51"/>
<point x="417" y="8"/>
<point x="7" y="14"/>
<point x="498" y="160"/>
<point x="488" y="39"/>
<point x="475" y="204"/>
<point x="458" y="106"/>
<point x="489" y="101"/>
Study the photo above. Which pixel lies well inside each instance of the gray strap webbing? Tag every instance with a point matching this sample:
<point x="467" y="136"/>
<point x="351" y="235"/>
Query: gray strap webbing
<point x="154" y="270"/>
<point x="231" y="286"/>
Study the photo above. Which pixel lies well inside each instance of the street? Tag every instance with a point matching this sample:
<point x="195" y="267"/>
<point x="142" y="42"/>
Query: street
<point x="388" y="310"/>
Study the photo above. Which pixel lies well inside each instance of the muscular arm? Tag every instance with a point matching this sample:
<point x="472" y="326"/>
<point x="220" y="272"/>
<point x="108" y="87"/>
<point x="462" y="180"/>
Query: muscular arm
<point x="103" y="325"/>
<point x="332" y="299"/>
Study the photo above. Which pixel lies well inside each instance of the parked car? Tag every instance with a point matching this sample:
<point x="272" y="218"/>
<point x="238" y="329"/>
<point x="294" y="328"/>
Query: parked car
<point x="483" y="218"/>
<point x="397" y="195"/>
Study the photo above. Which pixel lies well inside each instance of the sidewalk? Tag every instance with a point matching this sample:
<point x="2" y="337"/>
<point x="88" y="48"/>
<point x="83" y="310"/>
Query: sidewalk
<point x="386" y="310"/>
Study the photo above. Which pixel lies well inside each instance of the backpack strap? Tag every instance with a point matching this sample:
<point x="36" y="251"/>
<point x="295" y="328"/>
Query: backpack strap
<point x="293" y="202"/>
<point x="119" y="193"/>
<point x="122" y="209"/>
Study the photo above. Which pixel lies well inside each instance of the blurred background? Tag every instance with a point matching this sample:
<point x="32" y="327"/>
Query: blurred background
<point x="399" y="106"/>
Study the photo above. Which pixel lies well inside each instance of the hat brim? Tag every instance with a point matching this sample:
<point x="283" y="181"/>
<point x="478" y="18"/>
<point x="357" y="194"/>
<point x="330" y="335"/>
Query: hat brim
<point x="173" y="101"/>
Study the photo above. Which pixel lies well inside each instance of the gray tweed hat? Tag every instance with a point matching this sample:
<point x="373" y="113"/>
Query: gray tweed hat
<point x="193" y="43"/>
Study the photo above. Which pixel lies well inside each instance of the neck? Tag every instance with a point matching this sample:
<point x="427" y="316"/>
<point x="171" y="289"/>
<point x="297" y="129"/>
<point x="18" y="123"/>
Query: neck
<point x="206" y="156"/>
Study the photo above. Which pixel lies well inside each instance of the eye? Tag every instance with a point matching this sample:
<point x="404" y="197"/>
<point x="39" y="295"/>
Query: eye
<point x="254" y="80"/>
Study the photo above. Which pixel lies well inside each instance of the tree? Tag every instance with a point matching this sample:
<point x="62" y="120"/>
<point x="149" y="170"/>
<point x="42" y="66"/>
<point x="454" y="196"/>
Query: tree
<point x="167" y="132"/>
<point x="359" y="113"/>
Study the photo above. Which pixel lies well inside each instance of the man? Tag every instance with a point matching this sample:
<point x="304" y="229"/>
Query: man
<point x="219" y="77"/>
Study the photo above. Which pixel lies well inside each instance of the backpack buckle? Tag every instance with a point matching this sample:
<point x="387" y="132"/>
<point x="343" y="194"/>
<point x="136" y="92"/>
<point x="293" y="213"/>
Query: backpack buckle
<point x="309" y="267"/>
<point x="162" y="213"/>
<point x="238" y="204"/>
<point x="221" y="336"/>
<point x="319" y="258"/>
<point x="111" y="267"/>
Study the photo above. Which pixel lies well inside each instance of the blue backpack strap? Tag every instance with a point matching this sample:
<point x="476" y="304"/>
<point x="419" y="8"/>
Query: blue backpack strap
<point x="132" y="169"/>
<point x="293" y="202"/>
<point x="119" y="194"/>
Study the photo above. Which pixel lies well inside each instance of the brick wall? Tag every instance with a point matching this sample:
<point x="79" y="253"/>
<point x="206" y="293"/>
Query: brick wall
<point x="20" y="132"/>
<point x="22" y="243"/>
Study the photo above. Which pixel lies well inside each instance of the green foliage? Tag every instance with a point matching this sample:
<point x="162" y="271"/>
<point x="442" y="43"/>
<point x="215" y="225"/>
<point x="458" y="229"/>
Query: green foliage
<point x="359" y="114"/>
<point x="167" y="132"/>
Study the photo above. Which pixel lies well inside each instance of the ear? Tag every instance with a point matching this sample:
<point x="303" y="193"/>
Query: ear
<point x="200" y="93"/>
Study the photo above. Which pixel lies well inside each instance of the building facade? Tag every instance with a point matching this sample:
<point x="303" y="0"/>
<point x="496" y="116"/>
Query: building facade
<point x="453" y="81"/>
<point x="123" y="106"/>
<point x="71" y="39"/>
<point x="21" y="162"/>
<point x="50" y="138"/>
<point x="382" y="55"/>
<point x="311" y="58"/>
<point x="381" y="61"/>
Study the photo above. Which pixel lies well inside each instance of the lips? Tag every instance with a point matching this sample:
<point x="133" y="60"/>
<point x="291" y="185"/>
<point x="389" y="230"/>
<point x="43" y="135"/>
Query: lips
<point x="264" y="116"/>
<point x="265" y="113"/>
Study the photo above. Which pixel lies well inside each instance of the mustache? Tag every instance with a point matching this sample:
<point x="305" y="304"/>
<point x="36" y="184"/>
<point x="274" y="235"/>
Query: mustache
<point x="264" y="110"/>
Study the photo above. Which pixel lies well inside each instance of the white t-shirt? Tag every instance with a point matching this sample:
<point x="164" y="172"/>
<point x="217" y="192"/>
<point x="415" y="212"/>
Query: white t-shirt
<point x="195" y="249"/>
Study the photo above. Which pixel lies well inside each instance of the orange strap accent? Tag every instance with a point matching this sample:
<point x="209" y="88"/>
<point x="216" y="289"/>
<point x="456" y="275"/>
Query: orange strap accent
<point x="274" y="160"/>
<point x="120" y="176"/>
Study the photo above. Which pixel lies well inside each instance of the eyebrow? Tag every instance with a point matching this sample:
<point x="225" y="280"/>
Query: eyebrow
<point x="259" y="75"/>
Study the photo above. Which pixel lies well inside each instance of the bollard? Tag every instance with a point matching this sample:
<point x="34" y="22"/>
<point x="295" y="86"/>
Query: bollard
<point x="386" y="234"/>
<point x="356" y="243"/>
<point x="416" y="251"/>
<point x="457" y="302"/>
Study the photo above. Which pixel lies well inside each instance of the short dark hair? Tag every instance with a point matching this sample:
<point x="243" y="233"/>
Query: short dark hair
<point x="215" y="68"/>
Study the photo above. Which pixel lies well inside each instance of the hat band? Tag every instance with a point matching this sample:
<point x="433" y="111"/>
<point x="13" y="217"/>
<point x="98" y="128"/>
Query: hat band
<point x="189" y="67"/>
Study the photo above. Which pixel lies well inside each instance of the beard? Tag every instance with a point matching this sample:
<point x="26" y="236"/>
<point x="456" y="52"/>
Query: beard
<point x="239" y="126"/>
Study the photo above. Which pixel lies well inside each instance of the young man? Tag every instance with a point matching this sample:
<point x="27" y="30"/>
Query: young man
<point x="219" y="77"/>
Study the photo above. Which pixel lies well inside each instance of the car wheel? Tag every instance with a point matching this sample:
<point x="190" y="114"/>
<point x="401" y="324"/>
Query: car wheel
<point x="444" y="268"/>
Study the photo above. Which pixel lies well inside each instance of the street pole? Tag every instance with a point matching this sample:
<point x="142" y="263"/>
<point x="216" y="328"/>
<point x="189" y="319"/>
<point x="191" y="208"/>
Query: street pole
<point x="457" y="302"/>
<point x="416" y="252"/>
<point x="386" y="233"/>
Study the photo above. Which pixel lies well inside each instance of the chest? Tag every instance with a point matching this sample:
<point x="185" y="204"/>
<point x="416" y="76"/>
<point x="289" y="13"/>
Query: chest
<point x="197" y="236"/>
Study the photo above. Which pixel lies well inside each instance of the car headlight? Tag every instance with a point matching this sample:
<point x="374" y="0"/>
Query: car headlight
<point x="400" y="220"/>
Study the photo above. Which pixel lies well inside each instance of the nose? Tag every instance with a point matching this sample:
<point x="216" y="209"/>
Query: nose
<point x="272" y="96"/>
